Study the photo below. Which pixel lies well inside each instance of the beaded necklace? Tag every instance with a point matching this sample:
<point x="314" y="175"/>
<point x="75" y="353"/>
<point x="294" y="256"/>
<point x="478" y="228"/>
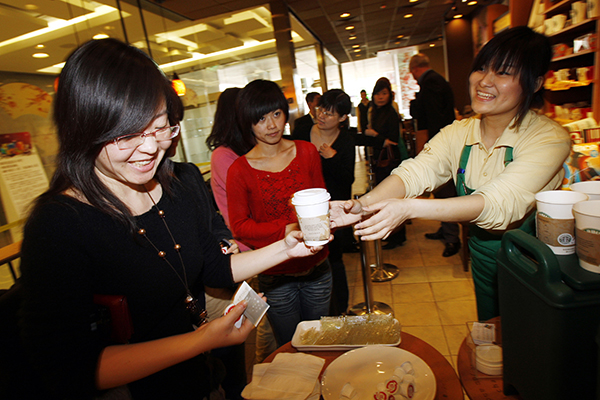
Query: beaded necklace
<point x="197" y="315"/>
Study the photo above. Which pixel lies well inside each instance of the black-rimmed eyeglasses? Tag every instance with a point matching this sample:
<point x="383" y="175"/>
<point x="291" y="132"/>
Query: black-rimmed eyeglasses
<point x="128" y="142"/>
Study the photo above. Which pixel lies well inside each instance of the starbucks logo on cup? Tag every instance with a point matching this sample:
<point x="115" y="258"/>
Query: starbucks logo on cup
<point x="566" y="239"/>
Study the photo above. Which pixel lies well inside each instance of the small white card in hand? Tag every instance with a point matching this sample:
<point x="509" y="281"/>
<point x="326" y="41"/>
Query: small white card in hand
<point x="483" y="333"/>
<point x="256" y="306"/>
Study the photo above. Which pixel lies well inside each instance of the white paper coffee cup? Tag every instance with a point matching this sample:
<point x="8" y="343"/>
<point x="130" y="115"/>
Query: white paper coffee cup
<point x="555" y="224"/>
<point x="591" y="188"/>
<point x="312" y="209"/>
<point x="587" y="230"/>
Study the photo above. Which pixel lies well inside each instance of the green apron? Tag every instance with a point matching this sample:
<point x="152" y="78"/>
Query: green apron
<point x="484" y="246"/>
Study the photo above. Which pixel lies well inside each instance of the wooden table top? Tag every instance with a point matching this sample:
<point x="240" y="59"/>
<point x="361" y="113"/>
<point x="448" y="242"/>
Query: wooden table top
<point x="448" y="384"/>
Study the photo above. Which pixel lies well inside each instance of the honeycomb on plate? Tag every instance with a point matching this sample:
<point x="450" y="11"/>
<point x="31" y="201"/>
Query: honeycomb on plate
<point x="353" y="330"/>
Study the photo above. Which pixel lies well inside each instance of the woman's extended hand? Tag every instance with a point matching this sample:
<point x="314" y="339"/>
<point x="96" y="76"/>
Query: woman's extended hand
<point x="223" y="331"/>
<point x="344" y="213"/>
<point x="234" y="248"/>
<point x="296" y="246"/>
<point x="386" y="216"/>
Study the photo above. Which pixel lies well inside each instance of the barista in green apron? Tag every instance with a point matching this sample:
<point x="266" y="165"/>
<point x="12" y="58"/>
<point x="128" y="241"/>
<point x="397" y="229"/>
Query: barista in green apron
<point x="484" y="245"/>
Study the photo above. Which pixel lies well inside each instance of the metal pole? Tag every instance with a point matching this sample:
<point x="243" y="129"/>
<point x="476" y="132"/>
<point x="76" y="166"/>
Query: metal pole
<point x="382" y="272"/>
<point x="369" y="306"/>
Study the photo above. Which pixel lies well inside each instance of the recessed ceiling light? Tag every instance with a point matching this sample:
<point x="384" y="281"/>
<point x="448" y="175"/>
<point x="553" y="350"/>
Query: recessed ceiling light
<point x="472" y="3"/>
<point x="352" y="37"/>
<point x="413" y="1"/>
<point x="400" y="36"/>
<point x="357" y="50"/>
<point x="344" y="15"/>
<point x="39" y="46"/>
<point x="40" y="55"/>
<point x="457" y="16"/>
<point x="100" y="36"/>
<point x="349" y="27"/>
<point x="408" y="16"/>
<point x="356" y="46"/>
<point x="431" y="44"/>
<point x="30" y="7"/>
<point x="382" y="6"/>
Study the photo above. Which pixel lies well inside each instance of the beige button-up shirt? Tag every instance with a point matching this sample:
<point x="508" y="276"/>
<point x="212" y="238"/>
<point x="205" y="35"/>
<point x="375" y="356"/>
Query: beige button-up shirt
<point x="540" y="146"/>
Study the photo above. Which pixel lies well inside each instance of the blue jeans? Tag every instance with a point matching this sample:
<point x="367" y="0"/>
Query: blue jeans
<point x="294" y="299"/>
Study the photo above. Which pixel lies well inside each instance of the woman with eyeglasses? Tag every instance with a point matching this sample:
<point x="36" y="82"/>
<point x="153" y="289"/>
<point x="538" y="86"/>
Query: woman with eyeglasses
<point x="121" y="219"/>
<point x="335" y="144"/>
<point x="260" y="185"/>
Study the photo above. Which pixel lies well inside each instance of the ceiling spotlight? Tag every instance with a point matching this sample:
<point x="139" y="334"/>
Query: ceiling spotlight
<point x="100" y="36"/>
<point x="356" y="46"/>
<point x="39" y="46"/>
<point x="400" y="36"/>
<point x="349" y="27"/>
<point x="408" y="16"/>
<point x="457" y="16"/>
<point x="453" y="8"/>
<point x="431" y="44"/>
<point x="30" y="7"/>
<point x="352" y="37"/>
<point x="412" y="1"/>
<point x="40" y="55"/>
<point x="382" y="6"/>
<point x="472" y="3"/>
<point x="357" y="50"/>
<point x="344" y="15"/>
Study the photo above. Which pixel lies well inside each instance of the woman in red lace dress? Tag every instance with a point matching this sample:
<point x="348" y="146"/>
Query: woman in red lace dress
<point x="260" y="185"/>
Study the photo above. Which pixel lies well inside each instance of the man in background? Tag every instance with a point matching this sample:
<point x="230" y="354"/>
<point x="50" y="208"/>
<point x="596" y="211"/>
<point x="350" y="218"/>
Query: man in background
<point x="307" y="121"/>
<point x="362" y="111"/>
<point x="433" y="109"/>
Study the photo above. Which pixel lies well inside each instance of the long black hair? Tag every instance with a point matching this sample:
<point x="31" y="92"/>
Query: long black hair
<point x="528" y="53"/>
<point x="258" y="98"/>
<point x="106" y="89"/>
<point x="225" y="130"/>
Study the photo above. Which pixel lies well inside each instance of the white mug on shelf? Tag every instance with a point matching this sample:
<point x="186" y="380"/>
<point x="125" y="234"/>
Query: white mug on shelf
<point x="579" y="12"/>
<point x="549" y="26"/>
<point x="559" y="22"/>
<point x="592" y="8"/>
<point x="582" y="74"/>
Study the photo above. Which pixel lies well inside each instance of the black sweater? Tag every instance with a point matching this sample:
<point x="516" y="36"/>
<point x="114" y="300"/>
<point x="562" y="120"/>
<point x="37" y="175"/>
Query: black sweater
<point x="72" y="251"/>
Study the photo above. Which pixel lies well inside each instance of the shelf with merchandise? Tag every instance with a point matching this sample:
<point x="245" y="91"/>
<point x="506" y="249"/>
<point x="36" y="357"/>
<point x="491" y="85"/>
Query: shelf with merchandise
<point x="575" y="47"/>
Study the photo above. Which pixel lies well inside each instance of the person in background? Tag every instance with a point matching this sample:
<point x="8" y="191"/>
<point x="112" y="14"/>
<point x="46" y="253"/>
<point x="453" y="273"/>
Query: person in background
<point x="260" y="186"/>
<point x="304" y="123"/>
<point x="499" y="160"/>
<point x="362" y="111"/>
<point x="433" y="108"/>
<point x="121" y="219"/>
<point x="331" y="137"/>
<point x="384" y="130"/>
<point x="227" y="145"/>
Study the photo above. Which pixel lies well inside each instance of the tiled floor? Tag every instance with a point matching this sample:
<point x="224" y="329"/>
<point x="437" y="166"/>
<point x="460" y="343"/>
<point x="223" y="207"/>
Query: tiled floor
<point x="432" y="296"/>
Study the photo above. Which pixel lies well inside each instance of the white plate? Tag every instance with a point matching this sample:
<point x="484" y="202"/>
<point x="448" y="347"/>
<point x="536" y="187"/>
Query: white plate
<point x="364" y="368"/>
<point x="306" y="325"/>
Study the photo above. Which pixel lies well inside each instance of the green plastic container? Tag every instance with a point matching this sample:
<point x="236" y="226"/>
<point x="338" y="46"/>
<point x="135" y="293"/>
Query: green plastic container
<point x="550" y="310"/>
